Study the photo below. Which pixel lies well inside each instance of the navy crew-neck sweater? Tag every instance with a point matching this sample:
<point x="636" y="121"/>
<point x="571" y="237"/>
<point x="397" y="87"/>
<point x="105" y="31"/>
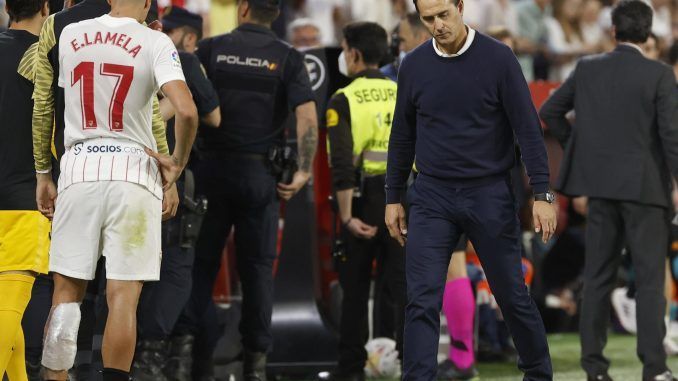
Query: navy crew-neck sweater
<point x="461" y="116"/>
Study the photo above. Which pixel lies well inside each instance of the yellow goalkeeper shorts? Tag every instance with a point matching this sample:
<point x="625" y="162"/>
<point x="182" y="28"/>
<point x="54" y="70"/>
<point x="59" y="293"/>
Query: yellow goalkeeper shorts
<point x="24" y="241"/>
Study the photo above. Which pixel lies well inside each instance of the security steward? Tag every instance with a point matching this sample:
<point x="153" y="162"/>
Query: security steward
<point x="359" y="120"/>
<point x="159" y="354"/>
<point x="245" y="169"/>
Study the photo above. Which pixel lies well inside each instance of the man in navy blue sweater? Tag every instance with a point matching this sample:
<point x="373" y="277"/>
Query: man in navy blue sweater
<point x="462" y="102"/>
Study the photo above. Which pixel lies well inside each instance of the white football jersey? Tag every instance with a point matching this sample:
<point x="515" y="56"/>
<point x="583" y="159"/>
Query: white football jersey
<point x="110" y="69"/>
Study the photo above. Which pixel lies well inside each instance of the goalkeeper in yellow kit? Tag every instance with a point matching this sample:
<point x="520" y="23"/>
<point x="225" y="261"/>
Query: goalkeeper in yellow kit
<point x="24" y="232"/>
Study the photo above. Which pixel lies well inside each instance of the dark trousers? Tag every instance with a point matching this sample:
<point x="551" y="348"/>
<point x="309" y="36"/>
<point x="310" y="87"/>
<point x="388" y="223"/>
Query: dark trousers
<point x="355" y="276"/>
<point x="162" y="302"/>
<point x="35" y="317"/>
<point x="241" y="194"/>
<point x="644" y="229"/>
<point x="439" y="213"/>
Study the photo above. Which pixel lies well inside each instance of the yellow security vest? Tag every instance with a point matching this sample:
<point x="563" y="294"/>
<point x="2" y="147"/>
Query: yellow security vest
<point x="372" y="104"/>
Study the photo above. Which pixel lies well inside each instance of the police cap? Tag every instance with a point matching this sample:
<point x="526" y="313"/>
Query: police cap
<point x="177" y="17"/>
<point x="265" y="3"/>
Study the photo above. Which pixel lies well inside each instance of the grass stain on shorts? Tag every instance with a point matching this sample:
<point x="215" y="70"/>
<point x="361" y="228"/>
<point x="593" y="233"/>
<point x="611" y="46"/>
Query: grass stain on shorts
<point x="135" y="231"/>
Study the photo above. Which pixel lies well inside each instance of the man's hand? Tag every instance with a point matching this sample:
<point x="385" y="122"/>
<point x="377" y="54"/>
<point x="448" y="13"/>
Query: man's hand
<point x="156" y="25"/>
<point x="170" y="203"/>
<point x="360" y="229"/>
<point x="300" y="179"/>
<point x="395" y="221"/>
<point x="169" y="166"/>
<point x="544" y="215"/>
<point x="46" y="194"/>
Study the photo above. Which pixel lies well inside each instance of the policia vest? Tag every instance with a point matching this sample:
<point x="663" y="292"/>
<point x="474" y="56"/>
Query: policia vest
<point x="372" y="104"/>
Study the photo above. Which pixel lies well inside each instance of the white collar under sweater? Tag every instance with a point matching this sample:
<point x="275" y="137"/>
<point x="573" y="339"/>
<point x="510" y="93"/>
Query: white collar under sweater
<point x="469" y="40"/>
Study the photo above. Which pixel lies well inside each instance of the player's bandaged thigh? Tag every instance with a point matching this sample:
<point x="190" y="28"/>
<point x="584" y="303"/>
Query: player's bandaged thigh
<point x="61" y="337"/>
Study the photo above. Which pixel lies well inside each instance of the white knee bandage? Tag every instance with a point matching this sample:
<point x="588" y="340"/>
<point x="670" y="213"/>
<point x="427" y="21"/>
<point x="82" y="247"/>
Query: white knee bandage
<point x="62" y="337"/>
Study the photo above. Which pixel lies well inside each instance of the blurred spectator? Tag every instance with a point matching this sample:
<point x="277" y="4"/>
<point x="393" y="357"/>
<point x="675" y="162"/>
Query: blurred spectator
<point x="411" y="33"/>
<point x="592" y="31"/>
<point x="673" y="58"/>
<point x="531" y="36"/>
<point x="565" y="38"/>
<point x="661" y="22"/>
<point x="652" y="47"/>
<point x="382" y="12"/>
<point x="479" y="14"/>
<point x="202" y="8"/>
<point x="328" y="15"/>
<point x="504" y="14"/>
<point x="502" y="34"/>
<point x="304" y="34"/>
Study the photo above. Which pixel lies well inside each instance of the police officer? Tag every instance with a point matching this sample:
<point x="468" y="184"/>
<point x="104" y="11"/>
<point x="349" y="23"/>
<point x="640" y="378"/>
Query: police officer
<point x="161" y="302"/>
<point x="259" y="79"/>
<point x="359" y="124"/>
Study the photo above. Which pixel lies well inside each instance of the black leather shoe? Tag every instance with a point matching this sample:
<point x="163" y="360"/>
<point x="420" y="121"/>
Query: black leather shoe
<point x="599" y="377"/>
<point x="254" y="366"/>
<point x="180" y="359"/>
<point x="449" y="372"/>
<point x="150" y="358"/>
<point x="340" y="376"/>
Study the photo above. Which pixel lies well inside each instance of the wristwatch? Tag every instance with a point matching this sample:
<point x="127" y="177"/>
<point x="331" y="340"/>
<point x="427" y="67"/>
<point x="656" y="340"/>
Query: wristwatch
<point x="547" y="197"/>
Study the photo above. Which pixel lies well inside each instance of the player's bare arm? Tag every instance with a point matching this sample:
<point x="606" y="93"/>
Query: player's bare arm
<point x="185" y="127"/>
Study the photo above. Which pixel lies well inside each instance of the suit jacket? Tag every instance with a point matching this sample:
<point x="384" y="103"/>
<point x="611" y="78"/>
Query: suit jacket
<point x="625" y="137"/>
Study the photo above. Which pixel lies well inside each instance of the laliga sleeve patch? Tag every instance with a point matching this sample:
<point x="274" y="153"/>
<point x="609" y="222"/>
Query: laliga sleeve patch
<point x="332" y="117"/>
<point x="176" y="61"/>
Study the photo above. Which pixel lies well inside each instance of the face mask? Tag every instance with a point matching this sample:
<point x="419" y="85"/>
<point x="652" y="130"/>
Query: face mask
<point x="343" y="66"/>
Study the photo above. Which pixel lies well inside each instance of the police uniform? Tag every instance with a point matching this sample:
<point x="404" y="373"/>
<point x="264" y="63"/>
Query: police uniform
<point x="359" y="125"/>
<point x="259" y="79"/>
<point x="162" y="302"/>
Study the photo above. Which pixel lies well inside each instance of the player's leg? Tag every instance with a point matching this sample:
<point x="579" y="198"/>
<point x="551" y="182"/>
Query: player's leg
<point x="16" y="367"/>
<point x="15" y="289"/>
<point x="120" y="334"/>
<point x="61" y="331"/>
<point x="74" y="253"/>
<point x="132" y="247"/>
<point x="34" y="322"/>
<point x="459" y="307"/>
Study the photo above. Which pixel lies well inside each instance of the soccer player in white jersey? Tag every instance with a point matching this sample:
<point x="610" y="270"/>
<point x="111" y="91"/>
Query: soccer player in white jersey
<point x="112" y="180"/>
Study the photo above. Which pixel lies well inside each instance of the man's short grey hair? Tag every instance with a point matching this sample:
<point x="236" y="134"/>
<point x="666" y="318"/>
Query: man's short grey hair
<point x="303" y="23"/>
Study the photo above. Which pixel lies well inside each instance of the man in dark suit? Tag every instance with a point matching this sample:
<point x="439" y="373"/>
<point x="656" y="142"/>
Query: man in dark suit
<point x="618" y="153"/>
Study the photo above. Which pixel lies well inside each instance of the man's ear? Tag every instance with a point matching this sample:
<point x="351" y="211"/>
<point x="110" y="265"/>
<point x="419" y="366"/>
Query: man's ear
<point x="245" y="8"/>
<point x="357" y="55"/>
<point x="460" y="7"/>
<point x="45" y="9"/>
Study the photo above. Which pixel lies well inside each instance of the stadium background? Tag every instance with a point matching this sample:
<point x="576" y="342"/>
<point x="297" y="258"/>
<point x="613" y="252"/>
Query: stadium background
<point x="550" y="36"/>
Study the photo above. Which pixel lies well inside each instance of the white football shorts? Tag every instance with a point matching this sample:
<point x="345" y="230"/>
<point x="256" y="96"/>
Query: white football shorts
<point x="119" y="220"/>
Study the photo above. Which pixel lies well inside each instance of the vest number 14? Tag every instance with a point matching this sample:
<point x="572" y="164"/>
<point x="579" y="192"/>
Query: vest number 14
<point x="385" y="121"/>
